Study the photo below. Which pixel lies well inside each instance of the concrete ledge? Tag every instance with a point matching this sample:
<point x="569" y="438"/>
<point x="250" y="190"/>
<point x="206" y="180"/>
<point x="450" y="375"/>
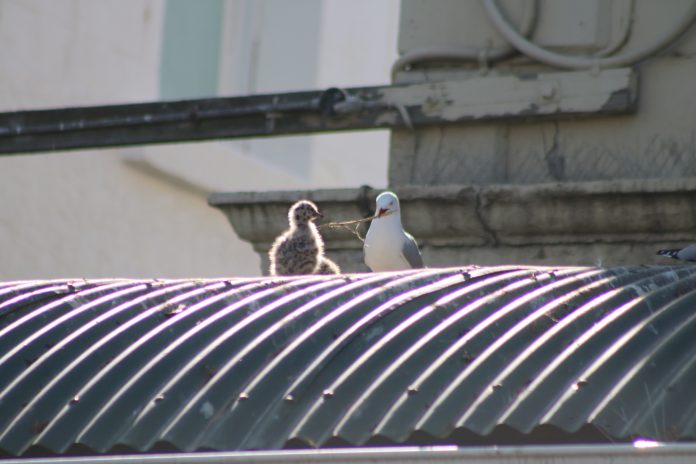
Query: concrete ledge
<point x="612" y="222"/>
<point x="590" y="212"/>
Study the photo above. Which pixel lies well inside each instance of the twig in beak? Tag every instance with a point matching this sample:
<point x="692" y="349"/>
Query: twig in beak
<point x="335" y="225"/>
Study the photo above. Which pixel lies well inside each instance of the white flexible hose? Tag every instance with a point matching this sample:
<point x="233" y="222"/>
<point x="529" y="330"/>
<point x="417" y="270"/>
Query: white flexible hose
<point x="574" y="62"/>
<point x="527" y="24"/>
<point x="624" y="35"/>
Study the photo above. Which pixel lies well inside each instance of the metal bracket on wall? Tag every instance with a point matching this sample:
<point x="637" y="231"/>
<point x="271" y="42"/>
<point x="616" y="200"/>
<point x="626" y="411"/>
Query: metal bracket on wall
<point x="478" y="99"/>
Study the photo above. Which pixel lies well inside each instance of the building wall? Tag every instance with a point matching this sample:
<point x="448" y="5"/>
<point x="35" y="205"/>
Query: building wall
<point x="657" y="141"/>
<point x="142" y="211"/>
<point x="518" y="189"/>
<point x="652" y="149"/>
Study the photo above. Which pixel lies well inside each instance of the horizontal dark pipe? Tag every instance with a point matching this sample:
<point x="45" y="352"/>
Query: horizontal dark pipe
<point x="382" y="107"/>
<point x="188" y="120"/>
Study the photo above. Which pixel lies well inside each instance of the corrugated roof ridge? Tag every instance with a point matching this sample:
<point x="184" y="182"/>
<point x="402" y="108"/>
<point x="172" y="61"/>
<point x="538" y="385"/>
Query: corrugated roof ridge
<point x="447" y="324"/>
<point x="100" y="327"/>
<point x="466" y="355"/>
<point x="337" y="336"/>
<point x="99" y="433"/>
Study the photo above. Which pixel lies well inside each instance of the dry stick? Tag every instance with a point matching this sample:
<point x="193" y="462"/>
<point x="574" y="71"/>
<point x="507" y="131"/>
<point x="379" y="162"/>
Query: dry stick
<point x="345" y="224"/>
<point x="357" y="222"/>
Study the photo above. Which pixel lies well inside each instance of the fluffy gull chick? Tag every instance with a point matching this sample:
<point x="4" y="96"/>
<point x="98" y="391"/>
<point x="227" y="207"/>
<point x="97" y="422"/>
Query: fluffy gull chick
<point x="299" y="249"/>
<point x="326" y="266"/>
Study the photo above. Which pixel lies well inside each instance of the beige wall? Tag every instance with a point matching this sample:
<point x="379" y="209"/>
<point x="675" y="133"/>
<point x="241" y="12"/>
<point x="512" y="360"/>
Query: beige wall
<point x="657" y="141"/>
<point x="143" y="211"/>
<point x="623" y="163"/>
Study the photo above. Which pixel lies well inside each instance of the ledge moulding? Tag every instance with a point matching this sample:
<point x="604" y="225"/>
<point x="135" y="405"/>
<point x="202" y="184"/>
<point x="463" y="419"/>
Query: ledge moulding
<point x="608" y="222"/>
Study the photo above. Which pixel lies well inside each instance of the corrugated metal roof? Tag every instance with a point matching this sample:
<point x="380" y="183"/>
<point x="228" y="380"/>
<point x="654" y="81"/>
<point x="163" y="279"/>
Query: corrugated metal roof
<point x="467" y="356"/>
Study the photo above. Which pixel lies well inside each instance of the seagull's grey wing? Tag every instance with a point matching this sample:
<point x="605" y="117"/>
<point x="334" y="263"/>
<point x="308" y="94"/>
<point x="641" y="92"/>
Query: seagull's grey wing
<point x="411" y="252"/>
<point x="688" y="253"/>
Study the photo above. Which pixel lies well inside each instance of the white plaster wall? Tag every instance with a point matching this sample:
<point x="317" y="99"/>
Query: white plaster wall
<point x="354" y="45"/>
<point x="87" y="213"/>
<point x="79" y="52"/>
<point x="142" y="211"/>
<point x="358" y="45"/>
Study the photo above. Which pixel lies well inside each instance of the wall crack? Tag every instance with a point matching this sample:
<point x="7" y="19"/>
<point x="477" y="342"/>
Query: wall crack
<point x="554" y="159"/>
<point x="492" y="237"/>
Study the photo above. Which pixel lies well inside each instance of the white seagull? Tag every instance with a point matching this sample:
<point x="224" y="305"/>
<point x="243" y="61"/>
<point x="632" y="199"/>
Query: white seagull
<point x="684" y="254"/>
<point x="387" y="246"/>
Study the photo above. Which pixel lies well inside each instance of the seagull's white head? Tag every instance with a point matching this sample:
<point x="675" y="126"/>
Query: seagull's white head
<point x="387" y="203"/>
